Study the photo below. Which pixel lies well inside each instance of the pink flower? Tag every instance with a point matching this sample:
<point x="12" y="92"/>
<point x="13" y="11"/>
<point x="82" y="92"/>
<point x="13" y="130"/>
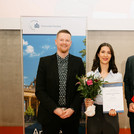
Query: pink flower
<point x="78" y="83"/>
<point x="89" y="82"/>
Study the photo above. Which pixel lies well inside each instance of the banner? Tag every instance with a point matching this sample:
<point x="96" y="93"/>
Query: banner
<point x="39" y="34"/>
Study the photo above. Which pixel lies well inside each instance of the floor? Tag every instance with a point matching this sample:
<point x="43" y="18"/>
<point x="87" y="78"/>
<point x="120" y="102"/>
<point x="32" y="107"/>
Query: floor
<point x="30" y="127"/>
<point x="124" y="131"/>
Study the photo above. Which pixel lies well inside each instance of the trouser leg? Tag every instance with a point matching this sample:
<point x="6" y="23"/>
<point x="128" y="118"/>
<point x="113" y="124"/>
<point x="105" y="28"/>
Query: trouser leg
<point x="131" y="120"/>
<point x="52" y="127"/>
<point x="70" y="126"/>
<point x="94" y="125"/>
<point x="111" y="124"/>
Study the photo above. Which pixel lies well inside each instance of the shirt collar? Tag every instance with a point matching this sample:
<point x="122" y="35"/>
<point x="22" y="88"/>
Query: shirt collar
<point x="97" y="71"/>
<point x="110" y="72"/>
<point x="62" y="59"/>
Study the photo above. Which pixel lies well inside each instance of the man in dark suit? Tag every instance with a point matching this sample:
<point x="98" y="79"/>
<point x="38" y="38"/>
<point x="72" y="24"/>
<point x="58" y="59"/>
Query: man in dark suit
<point x="129" y="90"/>
<point x="56" y="89"/>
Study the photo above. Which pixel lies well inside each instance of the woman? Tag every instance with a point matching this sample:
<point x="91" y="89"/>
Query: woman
<point x="104" y="66"/>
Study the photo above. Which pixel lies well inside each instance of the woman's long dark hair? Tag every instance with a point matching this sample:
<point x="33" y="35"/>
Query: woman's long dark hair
<point x="96" y="61"/>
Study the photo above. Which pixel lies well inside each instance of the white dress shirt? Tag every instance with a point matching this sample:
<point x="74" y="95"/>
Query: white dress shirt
<point x="111" y="77"/>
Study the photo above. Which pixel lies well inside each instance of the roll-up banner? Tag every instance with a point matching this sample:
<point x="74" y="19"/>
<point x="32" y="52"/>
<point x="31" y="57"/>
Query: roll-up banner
<point x="39" y="34"/>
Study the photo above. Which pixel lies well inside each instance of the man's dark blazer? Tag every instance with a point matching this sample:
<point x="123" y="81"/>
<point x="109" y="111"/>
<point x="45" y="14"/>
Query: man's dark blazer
<point x="47" y="86"/>
<point x="129" y="81"/>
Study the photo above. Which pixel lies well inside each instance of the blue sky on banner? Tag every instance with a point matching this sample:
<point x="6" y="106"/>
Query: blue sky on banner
<point x="36" y="46"/>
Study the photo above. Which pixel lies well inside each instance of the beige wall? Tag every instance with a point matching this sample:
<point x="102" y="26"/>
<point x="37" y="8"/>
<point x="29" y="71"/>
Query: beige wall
<point x="11" y="66"/>
<point x="11" y="79"/>
<point x="123" y="45"/>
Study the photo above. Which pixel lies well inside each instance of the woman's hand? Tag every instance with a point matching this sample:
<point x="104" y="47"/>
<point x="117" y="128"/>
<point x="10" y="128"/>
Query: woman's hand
<point x="112" y="112"/>
<point x="88" y="102"/>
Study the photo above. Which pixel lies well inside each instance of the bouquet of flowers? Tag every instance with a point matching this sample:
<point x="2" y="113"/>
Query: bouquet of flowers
<point x="90" y="87"/>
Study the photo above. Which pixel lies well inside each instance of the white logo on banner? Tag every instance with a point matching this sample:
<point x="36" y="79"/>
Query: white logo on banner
<point x="36" y="131"/>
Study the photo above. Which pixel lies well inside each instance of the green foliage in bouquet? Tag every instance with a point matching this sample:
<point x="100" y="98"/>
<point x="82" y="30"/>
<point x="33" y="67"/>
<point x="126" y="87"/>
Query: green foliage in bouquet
<point x="90" y="87"/>
<point x="29" y="111"/>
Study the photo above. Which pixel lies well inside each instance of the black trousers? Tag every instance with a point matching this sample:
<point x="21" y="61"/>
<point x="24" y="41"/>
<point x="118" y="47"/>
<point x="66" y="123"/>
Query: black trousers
<point x="131" y="120"/>
<point x="102" y="123"/>
<point x="67" y="126"/>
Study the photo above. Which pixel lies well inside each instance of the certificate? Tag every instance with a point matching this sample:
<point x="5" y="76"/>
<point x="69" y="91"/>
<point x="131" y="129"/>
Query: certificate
<point x="113" y="97"/>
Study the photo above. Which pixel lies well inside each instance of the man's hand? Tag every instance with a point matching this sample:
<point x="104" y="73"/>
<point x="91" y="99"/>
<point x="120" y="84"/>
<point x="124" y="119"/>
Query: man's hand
<point x="59" y="111"/>
<point x="131" y="107"/>
<point x="67" y="113"/>
<point x="63" y="113"/>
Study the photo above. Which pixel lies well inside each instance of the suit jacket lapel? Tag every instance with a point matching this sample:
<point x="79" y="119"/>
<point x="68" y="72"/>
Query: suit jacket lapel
<point x="70" y="66"/>
<point x="55" y="70"/>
